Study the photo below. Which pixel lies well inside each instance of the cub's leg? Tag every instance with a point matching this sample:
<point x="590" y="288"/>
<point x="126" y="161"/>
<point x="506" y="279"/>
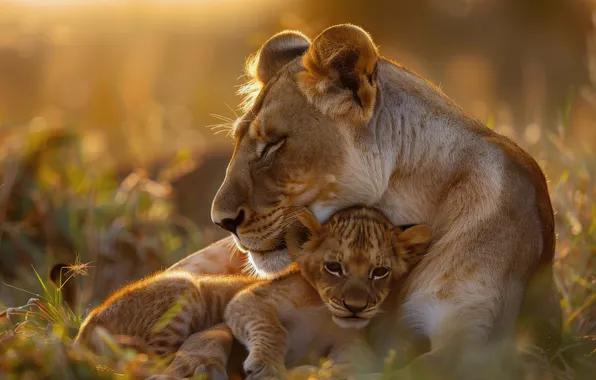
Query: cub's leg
<point x="163" y="311"/>
<point x="202" y="308"/>
<point x="205" y="353"/>
<point x="254" y="321"/>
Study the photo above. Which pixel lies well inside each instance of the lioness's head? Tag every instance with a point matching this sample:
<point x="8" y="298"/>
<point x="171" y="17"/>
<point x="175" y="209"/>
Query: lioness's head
<point x="303" y="141"/>
<point x="355" y="259"/>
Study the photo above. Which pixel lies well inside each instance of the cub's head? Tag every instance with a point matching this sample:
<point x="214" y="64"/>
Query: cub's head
<point x="354" y="259"/>
<point x="302" y="139"/>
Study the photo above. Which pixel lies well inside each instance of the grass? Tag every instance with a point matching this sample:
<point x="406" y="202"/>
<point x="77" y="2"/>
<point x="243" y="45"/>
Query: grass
<point x="52" y="208"/>
<point x="37" y="343"/>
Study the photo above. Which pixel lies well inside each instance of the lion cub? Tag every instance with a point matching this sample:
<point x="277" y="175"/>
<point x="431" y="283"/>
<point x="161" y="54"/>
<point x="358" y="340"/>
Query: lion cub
<point x="347" y="267"/>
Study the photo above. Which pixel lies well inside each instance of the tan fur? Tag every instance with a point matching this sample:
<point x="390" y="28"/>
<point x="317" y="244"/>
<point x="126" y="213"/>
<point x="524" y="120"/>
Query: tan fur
<point x="281" y="320"/>
<point x="271" y="57"/>
<point x="419" y="159"/>
<point x="340" y="73"/>
<point x="284" y="320"/>
<point x="158" y="314"/>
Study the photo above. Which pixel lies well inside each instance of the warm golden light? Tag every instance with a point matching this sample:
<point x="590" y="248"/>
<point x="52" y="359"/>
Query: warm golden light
<point x="113" y="124"/>
<point x="135" y="2"/>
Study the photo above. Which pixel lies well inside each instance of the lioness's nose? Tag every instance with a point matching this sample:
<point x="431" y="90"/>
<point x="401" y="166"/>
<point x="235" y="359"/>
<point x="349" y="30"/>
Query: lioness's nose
<point x="355" y="306"/>
<point x="228" y="210"/>
<point x="231" y="224"/>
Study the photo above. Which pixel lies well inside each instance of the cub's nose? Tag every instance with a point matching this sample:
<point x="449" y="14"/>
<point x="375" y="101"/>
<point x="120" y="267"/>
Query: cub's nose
<point x="355" y="306"/>
<point x="231" y="224"/>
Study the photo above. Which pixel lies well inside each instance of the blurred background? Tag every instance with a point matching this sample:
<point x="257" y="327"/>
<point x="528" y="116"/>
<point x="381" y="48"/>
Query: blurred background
<point x="113" y="114"/>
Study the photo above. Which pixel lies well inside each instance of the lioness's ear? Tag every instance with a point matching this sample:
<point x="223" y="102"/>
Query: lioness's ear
<point x="340" y="76"/>
<point x="305" y="230"/>
<point x="278" y="51"/>
<point x="413" y="241"/>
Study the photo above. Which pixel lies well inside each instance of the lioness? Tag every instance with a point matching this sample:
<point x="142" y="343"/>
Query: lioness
<point x="330" y="123"/>
<point x="347" y="267"/>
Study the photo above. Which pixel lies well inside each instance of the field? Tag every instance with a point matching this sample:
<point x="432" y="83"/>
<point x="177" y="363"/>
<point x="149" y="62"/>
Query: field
<point x="106" y="164"/>
<point x="47" y="207"/>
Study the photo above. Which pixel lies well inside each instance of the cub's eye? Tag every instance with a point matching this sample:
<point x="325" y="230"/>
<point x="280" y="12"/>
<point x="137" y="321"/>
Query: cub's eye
<point x="379" y="273"/>
<point x="272" y="146"/>
<point x="334" y="268"/>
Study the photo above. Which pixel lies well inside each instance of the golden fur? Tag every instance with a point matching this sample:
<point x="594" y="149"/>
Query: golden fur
<point x="281" y="320"/>
<point x="285" y="320"/>
<point x="326" y="133"/>
<point x="163" y="314"/>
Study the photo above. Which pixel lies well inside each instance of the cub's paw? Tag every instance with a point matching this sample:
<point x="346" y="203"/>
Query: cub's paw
<point x="260" y="370"/>
<point x="184" y="367"/>
<point x="207" y="372"/>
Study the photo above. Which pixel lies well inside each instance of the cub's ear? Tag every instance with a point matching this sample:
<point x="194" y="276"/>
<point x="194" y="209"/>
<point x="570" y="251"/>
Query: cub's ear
<point x="341" y="70"/>
<point x="278" y="51"/>
<point x="304" y="233"/>
<point x="413" y="242"/>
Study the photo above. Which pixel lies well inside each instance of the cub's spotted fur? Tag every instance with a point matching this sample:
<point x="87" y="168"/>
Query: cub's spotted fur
<point x="159" y="314"/>
<point x="347" y="267"/>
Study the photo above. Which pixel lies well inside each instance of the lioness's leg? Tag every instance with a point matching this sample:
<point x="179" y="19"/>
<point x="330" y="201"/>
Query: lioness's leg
<point x="465" y="299"/>
<point x="540" y="319"/>
<point x="221" y="257"/>
<point x="460" y="339"/>
<point x="203" y="352"/>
